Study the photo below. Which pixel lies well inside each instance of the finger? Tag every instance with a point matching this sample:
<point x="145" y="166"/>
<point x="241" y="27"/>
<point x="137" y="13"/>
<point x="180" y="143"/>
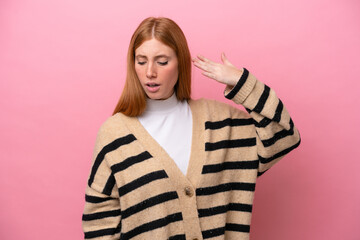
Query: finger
<point x="195" y="60"/>
<point x="199" y="62"/>
<point x="202" y="66"/>
<point x="206" y="60"/>
<point x="225" y="60"/>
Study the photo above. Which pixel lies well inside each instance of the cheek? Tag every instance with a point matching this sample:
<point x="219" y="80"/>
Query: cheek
<point x="139" y="73"/>
<point x="172" y="75"/>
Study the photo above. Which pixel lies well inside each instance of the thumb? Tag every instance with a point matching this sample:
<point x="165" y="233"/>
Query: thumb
<point x="225" y="60"/>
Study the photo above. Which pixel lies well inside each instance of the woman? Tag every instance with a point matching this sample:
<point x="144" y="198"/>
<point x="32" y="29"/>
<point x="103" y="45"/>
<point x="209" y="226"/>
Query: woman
<point x="169" y="167"/>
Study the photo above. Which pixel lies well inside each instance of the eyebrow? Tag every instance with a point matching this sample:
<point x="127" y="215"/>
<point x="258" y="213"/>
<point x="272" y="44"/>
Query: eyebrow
<point x="158" y="56"/>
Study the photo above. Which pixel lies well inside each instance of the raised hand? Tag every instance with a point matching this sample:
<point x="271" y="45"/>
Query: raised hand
<point x="225" y="72"/>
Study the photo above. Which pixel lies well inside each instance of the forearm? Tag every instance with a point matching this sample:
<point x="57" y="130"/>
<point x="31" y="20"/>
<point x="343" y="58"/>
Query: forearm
<point x="101" y="216"/>
<point x="102" y="213"/>
<point x="276" y="133"/>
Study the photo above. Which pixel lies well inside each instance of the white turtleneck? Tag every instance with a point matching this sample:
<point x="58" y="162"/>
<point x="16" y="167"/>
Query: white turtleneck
<point x="169" y="122"/>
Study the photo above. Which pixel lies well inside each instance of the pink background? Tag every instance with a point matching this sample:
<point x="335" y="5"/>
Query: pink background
<point x="62" y="69"/>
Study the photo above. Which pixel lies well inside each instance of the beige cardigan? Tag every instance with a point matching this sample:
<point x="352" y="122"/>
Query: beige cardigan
<point x="136" y="191"/>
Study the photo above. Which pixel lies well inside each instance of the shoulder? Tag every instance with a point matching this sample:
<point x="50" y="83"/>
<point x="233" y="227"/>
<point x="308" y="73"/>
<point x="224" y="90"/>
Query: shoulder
<point x="110" y="123"/>
<point x="112" y="128"/>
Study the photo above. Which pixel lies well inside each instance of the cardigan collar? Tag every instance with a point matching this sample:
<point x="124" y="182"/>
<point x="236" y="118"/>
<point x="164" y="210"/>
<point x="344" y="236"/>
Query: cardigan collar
<point x="197" y="155"/>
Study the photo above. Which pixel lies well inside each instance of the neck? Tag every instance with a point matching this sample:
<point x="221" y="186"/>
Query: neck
<point x="160" y="106"/>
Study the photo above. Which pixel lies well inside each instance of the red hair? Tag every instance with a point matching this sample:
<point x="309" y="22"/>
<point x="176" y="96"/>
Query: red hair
<point x="132" y="101"/>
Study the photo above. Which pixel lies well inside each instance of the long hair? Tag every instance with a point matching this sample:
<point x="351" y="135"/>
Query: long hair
<point x="132" y="101"/>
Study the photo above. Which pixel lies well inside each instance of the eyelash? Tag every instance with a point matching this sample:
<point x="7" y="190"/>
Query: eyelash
<point x="161" y="63"/>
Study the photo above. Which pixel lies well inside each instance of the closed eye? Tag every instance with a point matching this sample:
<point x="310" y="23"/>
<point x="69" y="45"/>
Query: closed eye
<point x="163" y="63"/>
<point x="141" y="63"/>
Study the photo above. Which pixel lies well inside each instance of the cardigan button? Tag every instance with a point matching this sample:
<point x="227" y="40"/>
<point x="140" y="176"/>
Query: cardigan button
<point x="188" y="191"/>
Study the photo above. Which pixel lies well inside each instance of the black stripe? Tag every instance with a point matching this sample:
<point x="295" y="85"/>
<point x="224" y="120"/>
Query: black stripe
<point x="130" y="161"/>
<point x="246" y="142"/>
<point x="263" y="123"/>
<point x="102" y="232"/>
<point x="228" y="227"/>
<point x="152" y="225"/>
<point x="178" y="237"/>
<point x="278" y="112"/>
<point x="237" y="227"/>
<point x="142" y="181"/>
<point x="261" y="173"/>
<point x="225" y="187"/>
<point x="101" y="215"/>
<point x="164" y="197"/>
<point x="205" y="212"/>
<point x="213" y="232"/>
<point x="279" y="135"/>
<point x="106" y="149"/>
<point x="238" y="85"/>
<point x="213" y="168"/>
<point x="261" y="103"/>
<point x="266" y="121"/>
<point x="110" y="183"/>
<point x="228" y="122"/>
<point x="93" y="199"/>
<point x="279" y="154"/>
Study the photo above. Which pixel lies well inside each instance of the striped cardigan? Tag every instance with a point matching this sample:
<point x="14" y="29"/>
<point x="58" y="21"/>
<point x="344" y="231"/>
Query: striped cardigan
<point x="136" y="191"/>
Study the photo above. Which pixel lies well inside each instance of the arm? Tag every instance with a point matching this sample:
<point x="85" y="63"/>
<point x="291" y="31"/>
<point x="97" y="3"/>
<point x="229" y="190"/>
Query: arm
<point x="276" y="133"/>
<point x="102" y="215"/>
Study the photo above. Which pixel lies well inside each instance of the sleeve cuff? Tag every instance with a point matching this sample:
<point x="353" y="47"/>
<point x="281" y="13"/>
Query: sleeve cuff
<point x="242" y="89"/>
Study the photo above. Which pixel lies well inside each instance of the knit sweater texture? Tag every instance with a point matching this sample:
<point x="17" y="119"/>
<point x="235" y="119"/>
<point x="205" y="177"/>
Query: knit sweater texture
<point x="136" y="191"/>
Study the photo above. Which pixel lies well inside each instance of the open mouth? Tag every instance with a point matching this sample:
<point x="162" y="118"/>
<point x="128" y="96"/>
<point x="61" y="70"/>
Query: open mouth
<point x="152" y="85"/>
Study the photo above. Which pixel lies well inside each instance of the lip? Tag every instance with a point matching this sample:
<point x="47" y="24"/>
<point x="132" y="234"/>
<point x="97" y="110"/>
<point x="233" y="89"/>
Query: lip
<point x="152" y="87"/>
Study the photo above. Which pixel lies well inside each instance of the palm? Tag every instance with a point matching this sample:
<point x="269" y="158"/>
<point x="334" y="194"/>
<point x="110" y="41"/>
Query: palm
<point x="225" y="72"/>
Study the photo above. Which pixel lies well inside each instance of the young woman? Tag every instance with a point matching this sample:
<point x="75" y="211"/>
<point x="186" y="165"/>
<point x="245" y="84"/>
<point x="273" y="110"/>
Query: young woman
<point x="169" y="167"/>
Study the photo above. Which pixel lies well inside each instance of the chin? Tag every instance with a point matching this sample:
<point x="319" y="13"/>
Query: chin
<point x="154" y="96"/>
<point x="157" y="96"/>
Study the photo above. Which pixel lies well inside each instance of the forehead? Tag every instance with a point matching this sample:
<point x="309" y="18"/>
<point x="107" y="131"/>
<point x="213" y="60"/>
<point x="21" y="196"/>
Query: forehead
<point x="154" y="47"/>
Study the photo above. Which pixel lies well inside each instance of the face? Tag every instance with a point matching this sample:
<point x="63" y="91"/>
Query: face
<point x="156" y="66"/>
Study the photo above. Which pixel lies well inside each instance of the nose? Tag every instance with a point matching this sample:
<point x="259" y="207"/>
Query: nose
<point x="151" y="71"/>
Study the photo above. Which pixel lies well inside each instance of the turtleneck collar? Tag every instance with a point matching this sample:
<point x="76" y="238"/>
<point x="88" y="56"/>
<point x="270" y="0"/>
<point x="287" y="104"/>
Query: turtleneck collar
<point x="161" y="106"/>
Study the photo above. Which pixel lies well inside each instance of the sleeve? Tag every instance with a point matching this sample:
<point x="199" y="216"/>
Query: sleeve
<point x="102" y="215"/>
<point x="276" y="133"/>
